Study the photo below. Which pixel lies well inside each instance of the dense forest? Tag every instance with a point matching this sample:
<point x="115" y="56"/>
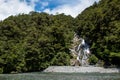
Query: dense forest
<point x="100" y="25"/>
<point x="34" y="41"/>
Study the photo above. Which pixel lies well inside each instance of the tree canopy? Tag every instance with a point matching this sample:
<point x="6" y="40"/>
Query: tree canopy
<point x="34" y="41"/>
<point x="100" y="24"/>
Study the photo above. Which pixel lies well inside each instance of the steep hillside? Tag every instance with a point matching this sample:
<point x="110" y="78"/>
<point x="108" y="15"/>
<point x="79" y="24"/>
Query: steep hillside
<point x="100" y="25"/>
<point x="35" y="41"/>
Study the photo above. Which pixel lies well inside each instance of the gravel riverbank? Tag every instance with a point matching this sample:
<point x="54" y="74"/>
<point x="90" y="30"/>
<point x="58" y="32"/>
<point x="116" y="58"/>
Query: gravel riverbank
<point x="79" y="69"/>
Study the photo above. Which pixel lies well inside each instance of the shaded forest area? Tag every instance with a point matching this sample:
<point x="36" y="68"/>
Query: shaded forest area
<point x="34" y="41"/>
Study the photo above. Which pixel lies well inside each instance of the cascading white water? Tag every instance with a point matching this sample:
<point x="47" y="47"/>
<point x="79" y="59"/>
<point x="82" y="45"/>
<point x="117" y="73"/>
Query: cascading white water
<point x="81" y="50"/>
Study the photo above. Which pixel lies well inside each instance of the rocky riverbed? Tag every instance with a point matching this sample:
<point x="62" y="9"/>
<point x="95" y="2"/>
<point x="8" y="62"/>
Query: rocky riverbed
<point x="79" y="69"/>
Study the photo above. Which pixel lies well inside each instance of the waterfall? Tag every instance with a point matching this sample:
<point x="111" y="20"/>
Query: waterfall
<point x="80" y="50"/>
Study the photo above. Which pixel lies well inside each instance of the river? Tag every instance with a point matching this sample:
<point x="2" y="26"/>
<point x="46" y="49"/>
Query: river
<point x="61" y="76"/>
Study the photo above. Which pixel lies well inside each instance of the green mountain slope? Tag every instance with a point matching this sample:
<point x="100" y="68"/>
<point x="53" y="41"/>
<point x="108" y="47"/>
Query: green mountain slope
<point x="100" y="24"/>
<point x="35" y="41"/>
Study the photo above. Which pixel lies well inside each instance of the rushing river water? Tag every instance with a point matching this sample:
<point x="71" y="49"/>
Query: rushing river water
<point x="61" y="76"/>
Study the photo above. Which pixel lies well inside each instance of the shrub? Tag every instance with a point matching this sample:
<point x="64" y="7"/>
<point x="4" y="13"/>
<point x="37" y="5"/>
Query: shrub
<point x="61" y="59"/>
<point x="93" y="60"/>
<point x="1" y="70"/>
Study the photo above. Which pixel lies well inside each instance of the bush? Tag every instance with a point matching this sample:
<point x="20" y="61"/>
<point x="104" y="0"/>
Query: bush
<point x="115" y="58"/>
<point x="93" y="60"/>
<point x="1" y="70"/>
<point x="61" y="59"/>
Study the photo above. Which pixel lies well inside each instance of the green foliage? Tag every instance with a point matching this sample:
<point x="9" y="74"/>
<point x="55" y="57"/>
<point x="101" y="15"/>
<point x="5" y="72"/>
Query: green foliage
<point x="93" y="60"/>
<point x="30" y="42"/>
<point x="61" y="59"/>
<point x="34" y="41"/>
<point x="1" y="70"/>
<point x="115" y="58"/>
<point x="100" y="25"/>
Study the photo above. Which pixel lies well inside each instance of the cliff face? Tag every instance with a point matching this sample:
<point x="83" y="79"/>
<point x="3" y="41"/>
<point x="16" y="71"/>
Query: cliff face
<point x="74" y="45"/>
<point x="80" y="51"/>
